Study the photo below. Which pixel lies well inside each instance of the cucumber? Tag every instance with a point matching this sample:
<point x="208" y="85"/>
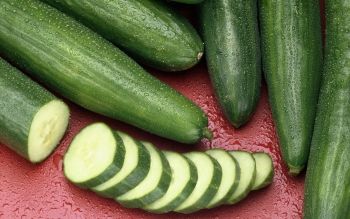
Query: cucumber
<point x="231" y="35"/>
<point x="327" y="188"/>
<point x="208" y="182"/>
<point x="78" y="64"/>
<point x="292" y="61"/>
<point x="147" y="30"/>
<point x="183" y="180"/>
<point x="247" y="175"/>
<point x="153" y="186"/>
<point x="230" y="176"/>
<point x="32" y="120"/>
<point x="188" y="1"/>
<point x="94" y="156"/>
<point x="135" y="168"/>
<point x="264" y="170"/>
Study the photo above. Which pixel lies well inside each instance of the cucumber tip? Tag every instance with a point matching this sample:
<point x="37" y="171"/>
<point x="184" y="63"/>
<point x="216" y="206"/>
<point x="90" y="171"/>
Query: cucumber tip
<point x="207" y="133"/>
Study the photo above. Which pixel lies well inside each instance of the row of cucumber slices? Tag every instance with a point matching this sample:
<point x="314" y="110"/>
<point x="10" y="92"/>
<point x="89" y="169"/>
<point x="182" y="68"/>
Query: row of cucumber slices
<point x="138" y="175"/>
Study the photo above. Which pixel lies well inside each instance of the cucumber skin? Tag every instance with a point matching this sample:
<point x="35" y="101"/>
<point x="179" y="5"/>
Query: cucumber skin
<point x="230" y="30"/>
<point x="327" y="188"/>
<point x="292" y="61"/>
<point x="77" y="63"/>
<point x="151" y="32"/>
<point x="20" y="100"/>
<point x="188" y="1"/>
<point x="110" y="171"/>
<point x="161" y="189"/>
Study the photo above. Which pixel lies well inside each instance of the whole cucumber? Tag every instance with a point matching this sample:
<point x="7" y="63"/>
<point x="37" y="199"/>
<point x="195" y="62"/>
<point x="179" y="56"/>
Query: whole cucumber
<point x="82" y="66"/>
<point x="327" y="192"/>
<point x="230" y="29"/>
<point x="292" y="61"/>
<point x="147" y="30"/>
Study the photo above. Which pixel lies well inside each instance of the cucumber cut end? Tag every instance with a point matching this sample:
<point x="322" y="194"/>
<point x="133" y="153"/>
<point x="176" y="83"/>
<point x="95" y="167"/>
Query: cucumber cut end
<point x="294" y="171"/>
<point x="91" y="152"/>
<point x="264" y="170"/>
<point x="47" y="129"/>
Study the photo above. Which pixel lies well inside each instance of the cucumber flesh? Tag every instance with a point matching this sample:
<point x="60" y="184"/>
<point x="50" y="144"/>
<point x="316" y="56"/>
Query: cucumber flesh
<point x="264" y="170"/>
<point x="94" y="156"/>
<point x="183" y="181"/>
<point x="133" y="171"/>
<point x="47" y="129"/>
<point x="209" y="178"/>
<point x="247" y="166"/>
<point x="153" y="186"/>
<point x="230" y="178"/>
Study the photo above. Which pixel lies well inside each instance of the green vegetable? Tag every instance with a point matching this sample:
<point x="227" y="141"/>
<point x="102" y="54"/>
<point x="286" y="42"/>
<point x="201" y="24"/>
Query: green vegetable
<point x="327" y="192"/>
<point x="292" y="61"/>
<point x="147" y="30"/>
<point x="231" y="37"/>
<point x="77" y="63"/>
<point x="188" y="1"/>
<point x="264" y="170"/>
<point x="32" y="120"/>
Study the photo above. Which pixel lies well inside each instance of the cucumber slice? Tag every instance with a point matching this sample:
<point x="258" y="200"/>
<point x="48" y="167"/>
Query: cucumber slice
<point x="183" y="181"/>
<point x="134" y="170"/>
<point x="247" y="166"/>
<point x="95" y="155"/>
<point x="264" y="170"/>
<point x="209" y="179"/>
<point x="155" y="184"/>
<point x="230" y="178"/>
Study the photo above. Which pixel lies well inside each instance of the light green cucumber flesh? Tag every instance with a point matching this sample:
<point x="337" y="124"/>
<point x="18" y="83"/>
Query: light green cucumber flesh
<point x="95" y="155"/>
<point x="134" y="170"/>
<point x="209" y="179"/>
<point x="149" y="31"/>
<point x="32" y="120"/>
<point x="153" y="186"/>
<point x="247" y="166"/>
<point x="230" y="177"/>
<point x="183" y="181"/>
<point x="80" y="65"/>
<point x="264" y="170"/>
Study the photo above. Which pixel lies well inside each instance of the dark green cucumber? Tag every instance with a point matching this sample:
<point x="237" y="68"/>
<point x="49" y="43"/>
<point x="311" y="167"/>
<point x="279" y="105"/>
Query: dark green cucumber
<point x="147" y="30"/>
<point x="292" y="61"/>
<point x="32" y="120"/>
<point x="188" y="1"/>
<point x="231" y="38"/>
<point x="327" y="192"/>
<point x="77" y="63"/>
<point x="95" y="155"/>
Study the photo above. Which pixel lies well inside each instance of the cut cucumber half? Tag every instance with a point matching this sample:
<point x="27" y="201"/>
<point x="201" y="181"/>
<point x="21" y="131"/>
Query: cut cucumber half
<point x="247" y="166"/>
<point x="153" y="186"/>
<point x="47" y="129"/>
<point x="95" y="155"/>
<point x="134" y="170"/>
<point x="230" y="176"/>
<point x="264" y="170"/>
<point x="209" y="179"/>
<point x="183" y="180"/>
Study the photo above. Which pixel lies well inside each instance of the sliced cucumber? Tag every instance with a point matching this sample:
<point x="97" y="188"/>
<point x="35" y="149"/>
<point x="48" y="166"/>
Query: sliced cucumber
<point x="134" y="170"/>
<point x="183" y="181"/>
<point x="209" y="179"/>
<point x="230" y="176"/>
<point x="95" y="155"/>
<point x="153" y="186"/>
<point x="247" y="166"/>
<point x="264" y="170"/>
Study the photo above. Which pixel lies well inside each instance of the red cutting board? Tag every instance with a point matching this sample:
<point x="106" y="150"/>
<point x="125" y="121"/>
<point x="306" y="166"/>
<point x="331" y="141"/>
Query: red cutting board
<point x="41" y="191"/>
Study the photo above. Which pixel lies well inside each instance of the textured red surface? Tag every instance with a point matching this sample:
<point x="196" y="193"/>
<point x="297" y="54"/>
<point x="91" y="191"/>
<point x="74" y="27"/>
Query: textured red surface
<point x="41" y="191"/>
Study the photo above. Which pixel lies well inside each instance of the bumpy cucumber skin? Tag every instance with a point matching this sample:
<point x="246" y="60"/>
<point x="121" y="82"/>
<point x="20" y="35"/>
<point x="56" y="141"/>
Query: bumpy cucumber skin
<point x="328" y="175"/>
<point x="158" y="192"/>
<point x="188" y="1"/>
<point x="77" y="63"/>
<point x="231" y="35"/>
<point x="107" y="173"/>
<point x="20" y="100"/>
<point x="292" y="62"/>
<point x="133" y="179"/>
<point x="209" y="194"/>
<point x="147" y="30"/>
